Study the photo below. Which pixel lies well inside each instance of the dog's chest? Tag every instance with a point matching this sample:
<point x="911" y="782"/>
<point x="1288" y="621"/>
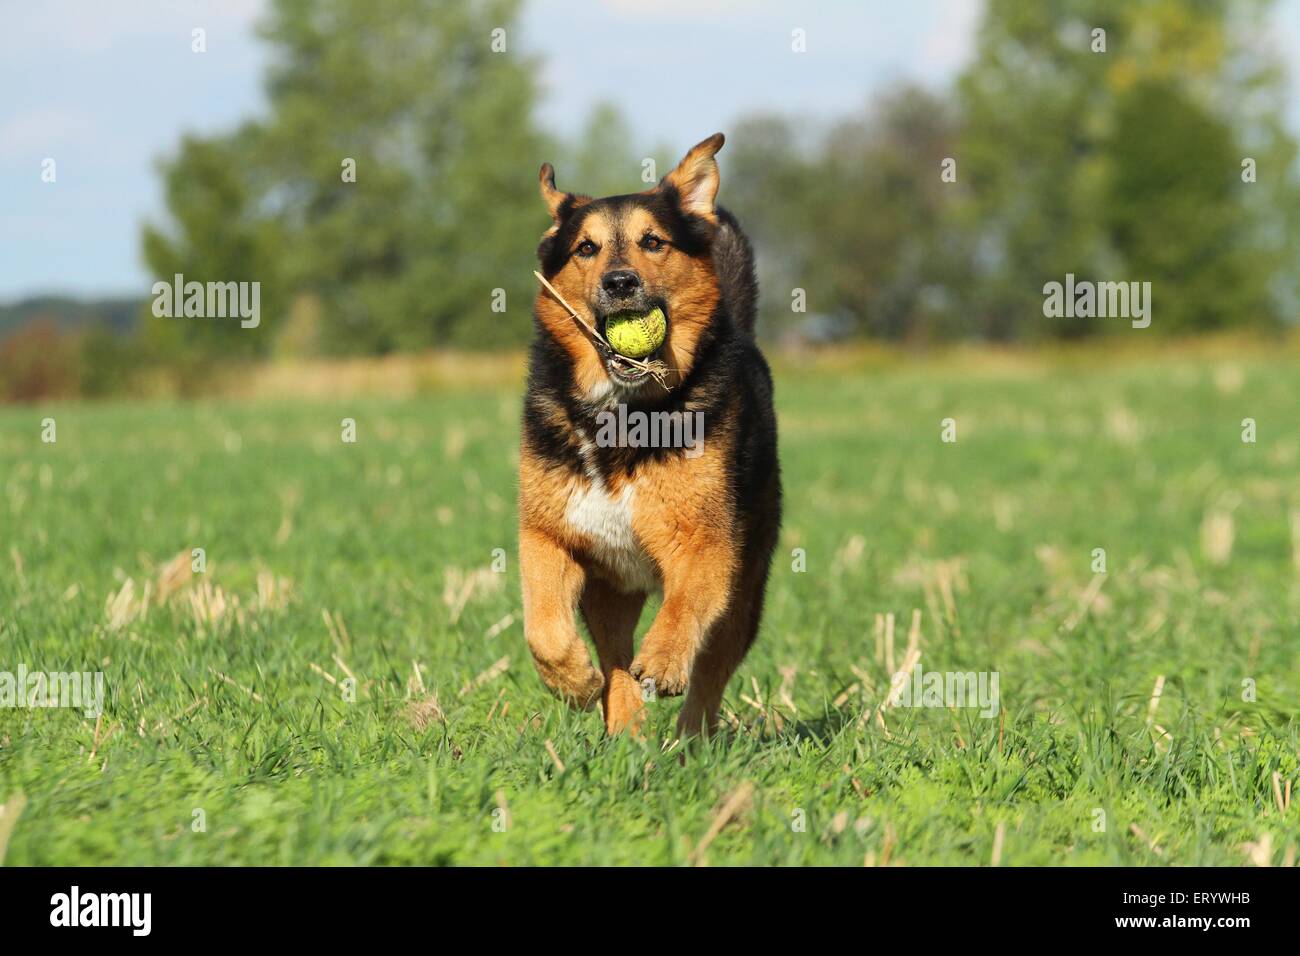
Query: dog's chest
<point x="604" y="518"/>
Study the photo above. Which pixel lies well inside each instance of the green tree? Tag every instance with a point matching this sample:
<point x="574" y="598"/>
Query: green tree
<point x="1123" y="163"/>
<point x="602" y="160"/>
<point x="1174" y="214"/>
<point x="859" y="218"/>
<point x="217" y="234"/>
<point x="430" y="102"/>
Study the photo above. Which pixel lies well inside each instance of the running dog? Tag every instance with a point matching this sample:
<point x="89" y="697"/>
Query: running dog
<point x="602" y="524"/>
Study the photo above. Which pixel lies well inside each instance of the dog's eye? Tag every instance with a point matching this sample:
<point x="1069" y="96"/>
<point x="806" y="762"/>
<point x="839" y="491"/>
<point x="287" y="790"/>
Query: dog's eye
<point x="652" y="243"/>
<point x="586" y="249"/>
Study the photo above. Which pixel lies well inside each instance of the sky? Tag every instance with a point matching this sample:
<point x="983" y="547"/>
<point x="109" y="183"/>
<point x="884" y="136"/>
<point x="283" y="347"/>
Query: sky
<point x="106" y="89"/>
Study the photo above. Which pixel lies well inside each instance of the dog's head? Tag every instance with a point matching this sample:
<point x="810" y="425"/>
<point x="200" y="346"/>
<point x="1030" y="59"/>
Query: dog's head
<point x="631" y="254"/>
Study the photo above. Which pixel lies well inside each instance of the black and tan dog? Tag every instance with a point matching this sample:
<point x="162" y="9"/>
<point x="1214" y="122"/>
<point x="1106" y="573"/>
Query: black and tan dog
<point x="603" y="524"/>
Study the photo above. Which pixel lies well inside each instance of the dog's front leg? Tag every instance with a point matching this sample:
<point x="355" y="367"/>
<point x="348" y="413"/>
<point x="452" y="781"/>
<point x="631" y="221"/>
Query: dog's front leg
<point x="552" y="582"/>
<point x="697" y="589"/>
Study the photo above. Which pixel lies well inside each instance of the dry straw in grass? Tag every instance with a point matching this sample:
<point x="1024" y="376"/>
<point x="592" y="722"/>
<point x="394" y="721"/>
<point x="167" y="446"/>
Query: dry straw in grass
<point x="10" y="811"/>
<point x="1141" y="834"/>
<point x="122" y="607"/>
<point x="226" y="679"/>
<point x="460" y="587"/>
<point x="1156" y="693"/>
<point x="421" y="713"/>
<point x="1283" y="798"/>
<point x="1217" y="533"/>
<point x="555" y="757"/>
<point x="736" y="803"/>
<point x="999" y="837"/>
<point x="1260" y="852"/>
<point x="491" y="674"/>
<point x="499" y="626"/>
<point x="174" y="575"/>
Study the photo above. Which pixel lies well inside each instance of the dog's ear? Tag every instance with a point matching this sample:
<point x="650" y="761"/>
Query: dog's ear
<point x="553" y="198"/>
<point x="696" y="178"/>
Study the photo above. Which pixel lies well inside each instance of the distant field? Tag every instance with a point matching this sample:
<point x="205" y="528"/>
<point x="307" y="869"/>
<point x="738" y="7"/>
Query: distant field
<point x="227" y="738"/>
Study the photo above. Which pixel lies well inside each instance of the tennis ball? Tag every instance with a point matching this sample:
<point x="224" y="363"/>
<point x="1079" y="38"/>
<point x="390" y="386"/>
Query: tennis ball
<point x="635" y="335"/>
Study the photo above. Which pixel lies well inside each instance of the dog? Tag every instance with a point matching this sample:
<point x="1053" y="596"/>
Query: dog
<point x="603" y="524"/>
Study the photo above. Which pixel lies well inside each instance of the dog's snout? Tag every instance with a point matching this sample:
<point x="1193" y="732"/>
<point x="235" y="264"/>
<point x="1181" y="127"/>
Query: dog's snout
<point x="620" y="282"/>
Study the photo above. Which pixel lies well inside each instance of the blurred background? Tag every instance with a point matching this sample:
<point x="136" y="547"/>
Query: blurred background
<point x="209" y="139"/>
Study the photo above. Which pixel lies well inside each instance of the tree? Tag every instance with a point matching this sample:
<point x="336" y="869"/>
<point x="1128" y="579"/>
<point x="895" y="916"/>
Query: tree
<point x="859" y="218"/>
<point x="1116" y="156"/>
<point x="1174" y="214"/>
<point x="602" y="161"/>
<point x="218" y="235"/>
<point x="390" y="180"/>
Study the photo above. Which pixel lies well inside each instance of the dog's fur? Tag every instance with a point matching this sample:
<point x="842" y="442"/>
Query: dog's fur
<point x="600" y="527"/>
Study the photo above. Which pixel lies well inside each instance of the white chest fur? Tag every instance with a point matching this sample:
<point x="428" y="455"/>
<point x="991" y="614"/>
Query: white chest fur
<point x="606" y="521"/>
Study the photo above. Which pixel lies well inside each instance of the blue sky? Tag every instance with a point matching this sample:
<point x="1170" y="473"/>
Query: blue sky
<point x="106" y="88"/>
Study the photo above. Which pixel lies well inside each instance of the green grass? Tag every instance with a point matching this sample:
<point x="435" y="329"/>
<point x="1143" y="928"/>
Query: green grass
<point x="1051" y="462"/>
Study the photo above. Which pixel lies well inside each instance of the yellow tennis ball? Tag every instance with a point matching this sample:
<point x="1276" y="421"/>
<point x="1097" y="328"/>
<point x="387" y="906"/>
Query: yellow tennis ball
<point x="634" y="335"/>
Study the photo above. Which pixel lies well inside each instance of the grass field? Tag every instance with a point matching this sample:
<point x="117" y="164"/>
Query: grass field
<point x="226" y="690"/>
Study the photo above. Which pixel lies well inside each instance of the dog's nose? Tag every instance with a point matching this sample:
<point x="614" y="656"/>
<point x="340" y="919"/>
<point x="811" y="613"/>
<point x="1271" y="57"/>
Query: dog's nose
<point x="620" y="282"/>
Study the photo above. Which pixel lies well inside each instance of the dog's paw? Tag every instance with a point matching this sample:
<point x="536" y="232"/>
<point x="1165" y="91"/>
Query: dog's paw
<point x="624" y="705"/>
<point x="584" y="694"/>
<point x="668" y="672"/>
<point x="576" y="683"/>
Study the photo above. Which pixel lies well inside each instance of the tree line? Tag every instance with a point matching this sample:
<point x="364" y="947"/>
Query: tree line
<point x="386" y="198"/>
